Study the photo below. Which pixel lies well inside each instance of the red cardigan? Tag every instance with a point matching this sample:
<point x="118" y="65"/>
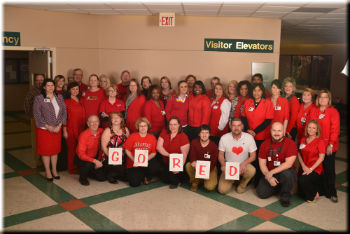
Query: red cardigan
<point x="293" y="113"/>
<point x="155" y="115"/>
<point x="175" y="107"/>
<point x="199" y="110"/>
<point x="134" y="112"/>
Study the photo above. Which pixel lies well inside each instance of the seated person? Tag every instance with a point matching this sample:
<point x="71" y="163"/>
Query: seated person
<point x="205" y="150"/>
<point x="237" y="146"/>
<point x="276" y="158"/>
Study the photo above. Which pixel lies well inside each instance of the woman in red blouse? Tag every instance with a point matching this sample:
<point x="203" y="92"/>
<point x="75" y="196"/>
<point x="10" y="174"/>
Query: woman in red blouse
<point x="166" y="91"/>
<point x="328" y="118"/>
<point x="199" y="109"/>
<point x="75" y="124"/>
<point x="92" y="97"/>
<point x="173" y="141"/>
<point x="304" y="112"/>
<point x="141" y="140"/>
<point x="60" y="86"/>
<point x="134" y="105"/>
<point x="289" y="87"/>
<point x="112" y="103"/>
<point x="154" y="111"/>
<point x="311" y="154"/>
<point x="244" y="89"/>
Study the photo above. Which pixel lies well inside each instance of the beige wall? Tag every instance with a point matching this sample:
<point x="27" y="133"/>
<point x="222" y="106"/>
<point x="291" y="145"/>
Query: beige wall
<point x="339" y="58"/>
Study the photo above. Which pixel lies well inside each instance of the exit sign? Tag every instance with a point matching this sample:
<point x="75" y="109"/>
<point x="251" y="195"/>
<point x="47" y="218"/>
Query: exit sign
<point x="167" y="19"/>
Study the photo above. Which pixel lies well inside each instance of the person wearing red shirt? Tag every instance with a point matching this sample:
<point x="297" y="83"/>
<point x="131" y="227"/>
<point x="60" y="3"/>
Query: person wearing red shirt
<point x="244" y="88"/>
<point x="173" y="141"/>
<point x="311" y="155"/>
<point x="190" y="79"/>
<point x="220" y="113"/>
<point x="78" y="77"/>
<point x="93" y="97"/>
<point x="199" y="109"/>
<point x="258" y="79"/>
<point x="60" y="86"/>
<point x="328" y="118"/>
<point x="112" y="103"/>
<point x="256" y="117"/>
<point x="145" y="84"/>
<point x="134" y="105"/>
<point x="203" y="149"/>
<point x="280" y="106"/>
<point x="141" y="140"/>
<point x="75" y="124"/>
<point x="123" y="87"/>
<point x="289" y="87"/>
<point x="210" y="93"/>
<point x="88" y="151"/>
<point x="276" y="159"/>
<point x="304" y="112"/>
<point x="166" y="91"/>
<point x="178" y="106"/>
<point x="154" y="111"/>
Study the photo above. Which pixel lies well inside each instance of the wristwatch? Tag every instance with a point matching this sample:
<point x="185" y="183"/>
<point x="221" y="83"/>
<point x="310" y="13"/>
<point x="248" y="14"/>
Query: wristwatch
<point x="331" y="145"/>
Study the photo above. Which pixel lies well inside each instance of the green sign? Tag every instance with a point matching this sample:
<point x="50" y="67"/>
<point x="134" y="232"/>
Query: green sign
<point x="238" y="45"/>
<point x="11" y="39"/>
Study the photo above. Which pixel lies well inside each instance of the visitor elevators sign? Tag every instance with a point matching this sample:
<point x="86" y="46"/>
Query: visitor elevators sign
<point x="238" y="45"/>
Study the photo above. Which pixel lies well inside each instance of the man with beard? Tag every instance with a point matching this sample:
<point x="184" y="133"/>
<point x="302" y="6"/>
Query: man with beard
<point x="237" y="146"/>
<point x="276" y="158"/>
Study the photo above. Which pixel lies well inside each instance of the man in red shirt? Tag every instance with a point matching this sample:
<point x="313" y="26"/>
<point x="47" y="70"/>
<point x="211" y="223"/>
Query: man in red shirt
<point x="276" y="158"/>
<point x="258" y="79"/>
<point x="123" y="87"/>
<point x="89" y="159"/>
<point x="78" y="77"/>
<point x="205" y="150"/>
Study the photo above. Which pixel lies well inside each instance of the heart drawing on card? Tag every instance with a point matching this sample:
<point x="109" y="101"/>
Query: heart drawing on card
<point x="237" y="150"/>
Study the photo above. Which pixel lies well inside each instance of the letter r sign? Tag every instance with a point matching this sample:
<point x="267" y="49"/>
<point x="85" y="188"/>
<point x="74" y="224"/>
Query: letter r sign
<point x="176" y="162"/>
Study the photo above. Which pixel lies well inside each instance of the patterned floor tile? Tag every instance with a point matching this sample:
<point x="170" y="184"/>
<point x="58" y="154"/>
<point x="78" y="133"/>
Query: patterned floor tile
<point x="25" y="155"/>
<point x="21" y="196"/>
<point x="17" y="140"/>
<point x="73" y="205"/>
<point x="26" y="172"/>
<point x="270" y="227"/>
<point x="241" y="224"/>
<point x="58" y="222"/>
<point x="264" y="214"/>
<point x="7" y="169"/>
<point x="324" y="213"/>
<point x="171" y="210"/>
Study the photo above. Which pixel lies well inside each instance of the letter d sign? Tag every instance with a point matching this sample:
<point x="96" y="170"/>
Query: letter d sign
<point x="115" y="156"/>
<point x="232" y="171"/>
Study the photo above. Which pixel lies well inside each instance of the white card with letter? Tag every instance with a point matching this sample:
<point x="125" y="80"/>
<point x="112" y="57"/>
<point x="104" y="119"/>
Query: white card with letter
<point x="141" y="158"/>
<point x="176" y="162"/>
<point x="115" y="156"/>
<point x="202" y="169"/>
<point x="232" y="171"/>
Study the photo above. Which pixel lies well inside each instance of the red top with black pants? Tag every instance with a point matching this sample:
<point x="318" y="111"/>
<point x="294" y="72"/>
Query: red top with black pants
<point x="92" y="101"/>
<point x="155" y="115"/>
<point x="293" y="113"/>
<point x="280" y="113"/>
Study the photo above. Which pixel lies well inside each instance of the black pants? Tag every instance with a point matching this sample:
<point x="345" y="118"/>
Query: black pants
<point x="192" y="132"/>
<point x="186" y="130"/>
<point x="169" y="177"/>
<point x="137" y="174"/>
<point x="309" y="185"/>
<point x="329" y="175"/>
<point x="293" y="133"/>
<point x="87" y="169"/>
<point x="258" y="173"/>
<point x="286" y="181"/>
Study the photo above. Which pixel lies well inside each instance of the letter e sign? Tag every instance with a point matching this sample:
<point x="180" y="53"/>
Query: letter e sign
<point x="115" y="156"/>
<point x="141" y="158"/>
<point x="202" y="169"/>
<point x="232" y="171"/>
<point x="176" y="162"/>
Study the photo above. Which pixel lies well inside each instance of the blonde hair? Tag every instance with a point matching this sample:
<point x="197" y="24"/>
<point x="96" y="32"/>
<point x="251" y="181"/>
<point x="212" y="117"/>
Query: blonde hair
<point x="165" y="78"/>
<point x="107" y="79"/>
<point x="329" y="96"/>
<point x="311" y="91"/>
<point x="234" y="82"/>
<point x="318" y="133"/>
<point x="142" y="120"/>
<point x="289" y="80"/>
<point x="222" y="87"/>
<point x="113" y="86"/>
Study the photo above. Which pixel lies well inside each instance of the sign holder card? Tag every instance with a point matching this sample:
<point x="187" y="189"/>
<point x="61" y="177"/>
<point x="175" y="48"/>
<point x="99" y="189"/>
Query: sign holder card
<point x="115" y="156"/>
<point x="176" y="162"/>
<point x="232" y="171"/>
<point x="141" y="158"/>
<point x="202" y="169"/>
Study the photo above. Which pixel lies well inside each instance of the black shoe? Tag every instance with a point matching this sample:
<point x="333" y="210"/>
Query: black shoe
<point x="84" y="182"/>
<point x="56" y="177"/>
<point x="49" y="179"/>
<point x="173" y="186"/>
<point x="113" y="181"/>
<point x="334" y="199"/>
<point x="285" y="203"/>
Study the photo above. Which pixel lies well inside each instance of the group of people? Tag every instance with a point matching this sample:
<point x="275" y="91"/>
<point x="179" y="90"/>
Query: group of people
<point x="265" y="132"/>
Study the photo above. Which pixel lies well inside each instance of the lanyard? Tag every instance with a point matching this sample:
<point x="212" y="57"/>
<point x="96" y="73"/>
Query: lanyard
<point x="272" y="152"/>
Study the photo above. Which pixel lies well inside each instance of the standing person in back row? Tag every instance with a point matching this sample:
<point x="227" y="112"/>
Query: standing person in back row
<point x="78" y="77"/>
<point x="123" y="87"/>
<point x="257" y="78"/>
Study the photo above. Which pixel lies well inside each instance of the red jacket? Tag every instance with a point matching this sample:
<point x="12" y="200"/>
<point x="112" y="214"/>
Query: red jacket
<point x="155" y="115"/>
<point x="293" y="112"/>
<point x="175" y="107"/>
<point x="302" y="118"/>
<point x="280" y="113"/>
<point x="220" y="113"/>
<point x="240" y="106"/>
<point x="89" y="145"/>
<point x="75" y="117"/>
<point x="329" y="121"/>
<point x="134" y="112"/>
<point x="210" y="93"/>
<point x="199" y="110"/>
<point x="122" y="91"/>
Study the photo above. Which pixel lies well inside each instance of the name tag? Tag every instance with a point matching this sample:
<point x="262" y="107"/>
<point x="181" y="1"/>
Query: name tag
<point x="302" y="146"/>
<point x="215" y="107"/>
<point x="163" y="112"/>
<point x="277" y="107"/>
<point x="83" y="94"/>
<point x="321" y="116"/>
<point x="269" y="159"/>
<point x="251" y="109"/>
<point x="207" y="156"/>
<point x="276" y="163"/>
<point x="47" y="100"/>
<point x="303" y="120"/>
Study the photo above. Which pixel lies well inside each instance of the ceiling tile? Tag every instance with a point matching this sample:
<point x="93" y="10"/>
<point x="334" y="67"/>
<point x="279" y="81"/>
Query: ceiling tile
<point x="251" y="7"/>
<point x="234" y="14"/>
<point x="126" y="6"/>
<point x="201" y="13"/>
<point x="201" y="7"/>
<point x="172" y="7"/>
<point x="278" y="8"/>
<point x="87" y="6"/>
<point x="269" y="14"/>
<point x="300" y="15"/>
<point x="134" y="12"/>
<point x="326" y="5"/>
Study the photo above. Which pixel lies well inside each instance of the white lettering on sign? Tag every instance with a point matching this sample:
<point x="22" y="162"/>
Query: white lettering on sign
<point x="167" y="19"/>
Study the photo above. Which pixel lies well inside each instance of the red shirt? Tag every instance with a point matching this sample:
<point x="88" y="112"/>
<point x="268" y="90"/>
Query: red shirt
<point x="289" y="148"/>
<point x="134" y="112"/>
<point x="293" y="112"/>
<point x="210" y="93"/>
<point x="89" y="145"/>
<point x="215" y="116"/>
<point x="75" y="117"/>
<point x="107" y="107"/>
<point x="302" y="118"/>
<point x="165" y="98"/>
<point x="280" y="113"/>
<point x="197" y="152"/>
<point x="330" y="125"/>
<point x="311" y="152"/>
<point x="175" y="107"/>
<point x="199" y="110"/>
<point x="136" y="142"/>
<point x="91" y="101"/>
<point x="122" y="91"/>
<point x="155" y="115"/>
<point x="267" y="93"/>
<point x="240" y="106"/>
<point x="173" y="146"/>
<point x="256" y="116"/>
<point x="82" y="88"/>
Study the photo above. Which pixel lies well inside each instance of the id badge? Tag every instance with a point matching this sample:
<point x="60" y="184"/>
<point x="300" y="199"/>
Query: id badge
<point x="250" y="109"/>
<point x="303" y="120"/>
<point x="302" y="146"/>
<point x="321" y="116"/>
<point x="83" y="94"/>
<point x="215" y="107"/>
<point x="276" y="163"/>
<point x="277" y="107"/>
<point x="269" y="159"/>
<point x="163" y="112"/>
<point x="207" y="156"/>
<point x="47" y="100"/>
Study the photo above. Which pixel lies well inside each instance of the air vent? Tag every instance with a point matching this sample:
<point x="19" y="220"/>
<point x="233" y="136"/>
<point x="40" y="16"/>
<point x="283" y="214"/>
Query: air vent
<point x="313" y="10"/>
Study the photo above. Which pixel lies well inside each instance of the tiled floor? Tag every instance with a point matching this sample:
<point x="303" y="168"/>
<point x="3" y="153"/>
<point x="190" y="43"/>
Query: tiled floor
<point x="33" y="204"/>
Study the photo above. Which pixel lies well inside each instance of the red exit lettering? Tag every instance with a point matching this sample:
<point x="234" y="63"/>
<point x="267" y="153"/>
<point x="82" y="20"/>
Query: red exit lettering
<point x="167" y="20"/>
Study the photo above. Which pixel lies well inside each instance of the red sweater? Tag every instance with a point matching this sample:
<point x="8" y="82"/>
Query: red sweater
<point x="302" y="118"/>
<point x="175" y="107"/>
<point x="122" y="91"/>
<point x="89" y="145"/>
<point x="134" y="112"/>
<point x="199" y="110"/>
<point x="329" y="121"/>
<point x="107" y="107"/>
<point x="293" y="112"/>
<point x="210" y="93"/>
<point x="197" y="152"/>
<point x="91" y="102"/>
<point x="155" y="115"/>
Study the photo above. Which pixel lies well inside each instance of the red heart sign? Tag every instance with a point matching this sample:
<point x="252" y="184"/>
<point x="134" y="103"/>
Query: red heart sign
<point x="237" y="150"/>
